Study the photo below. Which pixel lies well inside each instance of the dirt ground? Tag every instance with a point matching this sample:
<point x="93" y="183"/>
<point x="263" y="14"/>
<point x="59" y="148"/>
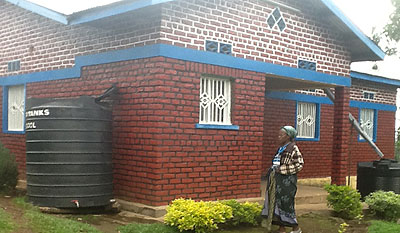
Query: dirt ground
<point x="106" y="223"/>
<point x="312" y="219"/>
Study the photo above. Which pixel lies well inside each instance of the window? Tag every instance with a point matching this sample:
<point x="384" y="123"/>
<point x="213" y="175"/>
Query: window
<point x="215" y="101"/>
<point x="367" y="122"/>
<point x="307" y="120"/>
<point x="369" y="95"/>
<point x="15" y="108"/>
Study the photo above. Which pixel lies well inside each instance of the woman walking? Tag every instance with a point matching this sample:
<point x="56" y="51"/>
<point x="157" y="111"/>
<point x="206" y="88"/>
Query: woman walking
<point x="282" y="183"/>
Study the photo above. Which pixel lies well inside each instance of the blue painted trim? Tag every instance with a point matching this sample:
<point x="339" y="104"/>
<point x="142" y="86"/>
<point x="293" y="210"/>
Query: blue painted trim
<point x="298" y="97"/>
<point x="374" y="130"/>
<point x="368" y="42"/>
<point x="374" y="78"/>
<point x="257" y="66"/>
<point x="326" y="100"/>
<point x="43" y="11"/>
<point x="175" y="52"/>
<point x="375" y="124"/>
<point x="317" y="123"/>
<point x="226" y="127"/>
<point x="5" y="112"/>
<point x="118" y="9"/>
<point x="382" y="107"/>
<point x="5" y="109"/>
<point x="87" y="15"/>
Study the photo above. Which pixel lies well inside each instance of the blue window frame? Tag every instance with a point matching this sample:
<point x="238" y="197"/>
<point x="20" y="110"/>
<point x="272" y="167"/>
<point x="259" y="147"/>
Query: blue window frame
<point x="368" y="119"/>
<point x="307" y="121"/>
<point x="14" y="109"/>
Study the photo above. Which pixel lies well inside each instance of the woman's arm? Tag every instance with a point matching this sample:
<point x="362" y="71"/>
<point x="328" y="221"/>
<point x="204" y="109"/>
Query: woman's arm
<point x="291" y="163"/>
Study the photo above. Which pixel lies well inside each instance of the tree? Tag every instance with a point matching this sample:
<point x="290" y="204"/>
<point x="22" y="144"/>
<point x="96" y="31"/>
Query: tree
<point x="391" y="32"/>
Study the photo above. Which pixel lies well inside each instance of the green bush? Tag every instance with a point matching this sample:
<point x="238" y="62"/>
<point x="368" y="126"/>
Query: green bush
<point x="344" y="200"/>
<point x="384" y="204"/>
<point x="8" y="170"/>
<point x="247" y="213"/>
<point x="198" y="216"/>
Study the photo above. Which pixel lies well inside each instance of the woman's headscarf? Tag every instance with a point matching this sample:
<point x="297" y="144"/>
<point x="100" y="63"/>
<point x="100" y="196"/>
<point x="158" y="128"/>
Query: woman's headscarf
<point x="290" y="131"/>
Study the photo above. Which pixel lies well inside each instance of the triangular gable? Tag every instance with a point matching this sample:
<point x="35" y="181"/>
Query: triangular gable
<point x="360" y="46"/>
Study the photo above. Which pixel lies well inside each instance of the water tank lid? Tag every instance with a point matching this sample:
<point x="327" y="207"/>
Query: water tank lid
<point x="385" y="163"/>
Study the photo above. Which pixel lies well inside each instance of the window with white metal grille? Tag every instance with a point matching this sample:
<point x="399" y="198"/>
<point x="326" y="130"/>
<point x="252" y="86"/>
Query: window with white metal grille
<point x="367" y="122"/>
<point x="306" y="120"/>
<point x="16" y="108"/>
<point x="215" y="101"/>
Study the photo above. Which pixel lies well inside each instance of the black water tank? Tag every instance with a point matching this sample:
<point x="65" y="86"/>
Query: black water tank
<point x="387" y="177"/>
<point x="381" y="174"/>
<point x="365" y="178"/>
<point x="68" y="153"/>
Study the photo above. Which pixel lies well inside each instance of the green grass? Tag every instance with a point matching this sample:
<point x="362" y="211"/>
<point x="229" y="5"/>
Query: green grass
<point x="6" y="224"/>
<point x="147" y="228"/>
<point x="44" y="223"/>
<point x="383" y="227"/>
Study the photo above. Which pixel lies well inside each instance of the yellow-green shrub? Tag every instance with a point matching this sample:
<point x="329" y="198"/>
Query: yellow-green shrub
<point x="186" y="214"/>
<point x="247" y="212"/>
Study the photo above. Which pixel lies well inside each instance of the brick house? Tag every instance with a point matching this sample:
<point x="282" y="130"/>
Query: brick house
<point x="203" y="87"/>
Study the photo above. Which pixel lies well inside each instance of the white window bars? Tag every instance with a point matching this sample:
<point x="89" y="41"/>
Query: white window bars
<point x="306" y="119"/>
<point x="367" y="122"/>
<point x="16" y="108"/>
<point x="215" y="101"/>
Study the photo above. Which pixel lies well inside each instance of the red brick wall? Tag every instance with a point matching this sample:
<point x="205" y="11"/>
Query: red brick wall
<point x="318" y="154"/>
<point x="158" y="153"/>
<point x="243" y="24"/>
<point x="384" y="94"/>
<point x="43" y="44"/>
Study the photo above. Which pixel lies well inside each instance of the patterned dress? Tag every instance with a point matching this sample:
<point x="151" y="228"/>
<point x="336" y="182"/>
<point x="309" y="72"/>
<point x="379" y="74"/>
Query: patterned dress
<point x="282" y="186"/>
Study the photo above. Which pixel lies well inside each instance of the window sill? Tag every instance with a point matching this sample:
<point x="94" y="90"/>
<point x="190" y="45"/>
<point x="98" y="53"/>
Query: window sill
<point x="209" y="126"/>
<point x="13" y="132"/>
<point x="308" y="139"/>
<point x="363" y="140"/>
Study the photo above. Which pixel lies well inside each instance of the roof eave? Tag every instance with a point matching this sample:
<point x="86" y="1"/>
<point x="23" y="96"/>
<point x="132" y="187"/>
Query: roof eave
<point x="40" y="10"/>
<point x="373" y="52"/>
<point x="110" y="10"/>
<point x="89" y="15"/>
<point x="374" y="78"/>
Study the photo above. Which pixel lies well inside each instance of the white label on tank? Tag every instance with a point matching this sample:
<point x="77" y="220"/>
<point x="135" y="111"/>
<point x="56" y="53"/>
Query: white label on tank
<point x="38" y="112"/>
<point x="30" y="125"/>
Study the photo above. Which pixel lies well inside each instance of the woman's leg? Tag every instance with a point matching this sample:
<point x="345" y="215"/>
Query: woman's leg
<point x="282" y="228"/>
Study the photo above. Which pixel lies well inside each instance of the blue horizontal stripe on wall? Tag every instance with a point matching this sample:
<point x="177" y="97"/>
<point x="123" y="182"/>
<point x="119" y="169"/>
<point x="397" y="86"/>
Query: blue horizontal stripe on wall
<point x="326" y="100"/>
<point x="383" y="107"/>
<point x="374" y="78"/>
<point x="257" y="66"/>
<point x="177" y="53"/>
<point x="209" y="126"/>
<point x="298" y="97"/>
